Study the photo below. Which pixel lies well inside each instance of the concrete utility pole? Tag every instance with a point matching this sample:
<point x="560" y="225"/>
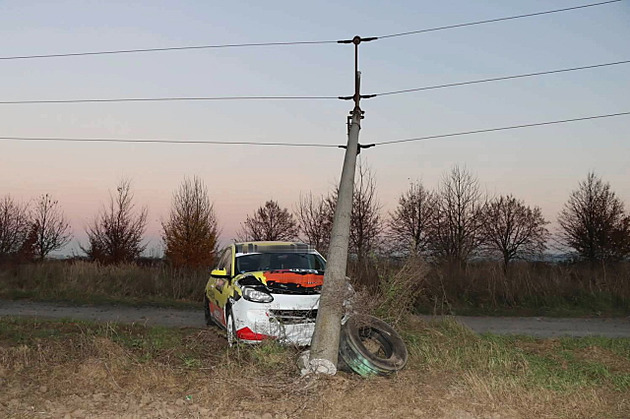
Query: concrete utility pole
<point x="325" y="343"/>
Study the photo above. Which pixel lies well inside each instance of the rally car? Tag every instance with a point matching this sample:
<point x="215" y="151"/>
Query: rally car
<point x="266" y="290"/>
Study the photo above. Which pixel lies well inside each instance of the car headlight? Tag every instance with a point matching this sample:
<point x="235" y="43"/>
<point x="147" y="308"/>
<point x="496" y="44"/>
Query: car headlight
<point x="257" y="296"/>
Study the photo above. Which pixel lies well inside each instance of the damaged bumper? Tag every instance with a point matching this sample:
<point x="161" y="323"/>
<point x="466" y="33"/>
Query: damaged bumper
<point x="288" y="319"/>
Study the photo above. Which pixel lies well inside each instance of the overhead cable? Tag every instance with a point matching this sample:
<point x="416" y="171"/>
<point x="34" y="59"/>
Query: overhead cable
<point x="281" y="144"/>
<point x="500" y="19"/>
<point x="163" y="141"/>
<point x="180" y="48"/>
<point x="280" y="98"/>
<point x="493" y="79"/>
<point x="296" y="43"/>
<point x="480" y="131"/>
<point x="163" y="99"/>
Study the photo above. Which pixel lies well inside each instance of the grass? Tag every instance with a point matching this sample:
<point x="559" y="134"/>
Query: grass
<point x="113" y="369"/>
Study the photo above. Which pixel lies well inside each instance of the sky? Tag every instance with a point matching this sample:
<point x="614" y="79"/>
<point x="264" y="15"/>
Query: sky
<point x="540" y="165"/>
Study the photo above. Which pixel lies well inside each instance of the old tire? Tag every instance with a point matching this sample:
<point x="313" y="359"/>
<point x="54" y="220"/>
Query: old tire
<point x="369" y="346"/>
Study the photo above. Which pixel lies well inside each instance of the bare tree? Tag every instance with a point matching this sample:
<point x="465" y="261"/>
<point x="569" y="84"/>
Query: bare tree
<point x="269" y="223"/>
<point x="191" y="232"/>
<point x="14" y="226"/>
<point x="115" y="236"/>
<point x="594" y="222"/>
<point x="512" y="229"/>
<point x="50" y="227"/>
<point x="409" y="224"/>
<point x="366" y="223"/>
<point x="456" y="228"/>
<point x="314" y="217"/>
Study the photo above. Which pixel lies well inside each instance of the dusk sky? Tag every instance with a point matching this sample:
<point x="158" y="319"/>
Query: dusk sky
<point x="540" y="165"/>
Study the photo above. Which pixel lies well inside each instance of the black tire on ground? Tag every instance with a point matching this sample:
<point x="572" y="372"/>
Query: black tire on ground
<point x="230" y="330"/>
<point x="206" y="307"/>
<point x="369" y="346"/>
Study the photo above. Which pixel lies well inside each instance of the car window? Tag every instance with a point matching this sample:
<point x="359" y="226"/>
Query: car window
<point x="252" y="263"/>
<point x="278" y="261"/>
<point x="226" y="261"/>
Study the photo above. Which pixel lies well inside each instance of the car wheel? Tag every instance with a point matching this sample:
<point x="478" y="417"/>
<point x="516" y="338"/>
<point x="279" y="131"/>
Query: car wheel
<point x="206" y="307"/>
<point x="230" y="330"/>
<point x="369" y="346"/>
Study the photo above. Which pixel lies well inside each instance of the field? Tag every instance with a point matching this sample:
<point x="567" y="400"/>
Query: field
<point x="77" y="369"/>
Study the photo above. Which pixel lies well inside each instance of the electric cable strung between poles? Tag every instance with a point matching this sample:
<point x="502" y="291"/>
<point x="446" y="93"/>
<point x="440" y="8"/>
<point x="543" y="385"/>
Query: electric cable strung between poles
<point x="298" y="43"/>
<point x="280" y="97"/>
<point x="164" y="141"/>
<point x="161" y="49"/>
<point x="163" y="99"/>
<point x="287" y="144"/>
<point x="495" y="79"/>
<point x="513" y="127"/>
<point x="500" y="19"/>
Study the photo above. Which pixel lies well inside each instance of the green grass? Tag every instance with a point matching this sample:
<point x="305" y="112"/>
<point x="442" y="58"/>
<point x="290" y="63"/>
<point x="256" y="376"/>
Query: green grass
<point x="563" y="365"/>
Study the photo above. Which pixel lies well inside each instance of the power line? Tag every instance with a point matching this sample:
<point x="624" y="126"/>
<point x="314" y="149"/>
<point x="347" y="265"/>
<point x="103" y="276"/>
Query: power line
<point x="536" y="124"/>
<point x="164" y="141"/>
<point x="279" y="98"/>
<point x="482" y="22"/>
<point x="164" y="99"/>
<point x="281" y="144"/>
<point x="293" y="43"/>
<point x="517" y="76"/>
<point x="182" y="48"/>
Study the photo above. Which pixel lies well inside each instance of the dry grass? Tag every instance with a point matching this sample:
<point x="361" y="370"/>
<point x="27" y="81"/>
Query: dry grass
<point x="485" y="287"/>
<point x="528" y="289"/>
<point x="53" y="369"/>
<point x="92" y="282"/>
<point x="479" y="288"/>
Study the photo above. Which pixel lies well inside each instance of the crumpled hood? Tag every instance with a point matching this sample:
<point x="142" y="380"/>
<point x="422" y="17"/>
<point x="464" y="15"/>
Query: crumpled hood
<point x="290" y="279"/>
<point x="291" y="276"/>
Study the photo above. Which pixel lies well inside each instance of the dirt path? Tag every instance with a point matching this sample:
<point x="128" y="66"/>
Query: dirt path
<point x="531" y="326"/>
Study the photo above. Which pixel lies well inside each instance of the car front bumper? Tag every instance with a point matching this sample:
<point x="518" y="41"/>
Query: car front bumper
<point x="288" y="318"/>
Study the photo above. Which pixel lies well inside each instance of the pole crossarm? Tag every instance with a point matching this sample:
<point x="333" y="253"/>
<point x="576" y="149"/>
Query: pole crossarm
<point x="357" y="40"/>
<point x="352" y="97"/>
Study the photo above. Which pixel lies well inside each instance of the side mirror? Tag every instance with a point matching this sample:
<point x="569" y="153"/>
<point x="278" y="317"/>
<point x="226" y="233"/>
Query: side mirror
<point x="219" y="273"/>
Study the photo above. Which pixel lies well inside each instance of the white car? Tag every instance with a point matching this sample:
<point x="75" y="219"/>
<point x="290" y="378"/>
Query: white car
<point x="266" y="290"/>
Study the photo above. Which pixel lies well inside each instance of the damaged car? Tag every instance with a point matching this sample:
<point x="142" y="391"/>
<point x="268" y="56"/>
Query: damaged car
<point x="266" y="290"/>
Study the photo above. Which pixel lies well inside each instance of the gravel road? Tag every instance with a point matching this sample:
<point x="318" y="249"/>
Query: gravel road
<point x="531" y="326"/>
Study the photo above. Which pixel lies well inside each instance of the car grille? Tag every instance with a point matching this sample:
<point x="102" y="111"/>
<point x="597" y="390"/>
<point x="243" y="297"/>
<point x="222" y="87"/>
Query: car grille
<point x="294" y="316"/>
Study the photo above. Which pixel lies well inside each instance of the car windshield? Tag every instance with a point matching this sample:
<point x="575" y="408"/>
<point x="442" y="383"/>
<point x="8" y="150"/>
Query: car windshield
<point x="280" y="261"/>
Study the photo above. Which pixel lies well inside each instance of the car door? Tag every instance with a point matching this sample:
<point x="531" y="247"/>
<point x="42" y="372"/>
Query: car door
<point x="220" y="286"/>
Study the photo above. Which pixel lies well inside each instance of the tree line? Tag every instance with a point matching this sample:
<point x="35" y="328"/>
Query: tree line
<point x="452" y="224"/>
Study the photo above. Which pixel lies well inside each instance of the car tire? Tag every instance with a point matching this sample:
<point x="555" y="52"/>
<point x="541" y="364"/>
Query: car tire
<point x="230" y="330"/>
<point x="369" y="346"/>
<point x="206" y="307"/>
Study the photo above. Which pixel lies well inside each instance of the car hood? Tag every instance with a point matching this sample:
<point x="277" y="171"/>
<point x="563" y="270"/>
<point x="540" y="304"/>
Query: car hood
<point x="289" y="280"/>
